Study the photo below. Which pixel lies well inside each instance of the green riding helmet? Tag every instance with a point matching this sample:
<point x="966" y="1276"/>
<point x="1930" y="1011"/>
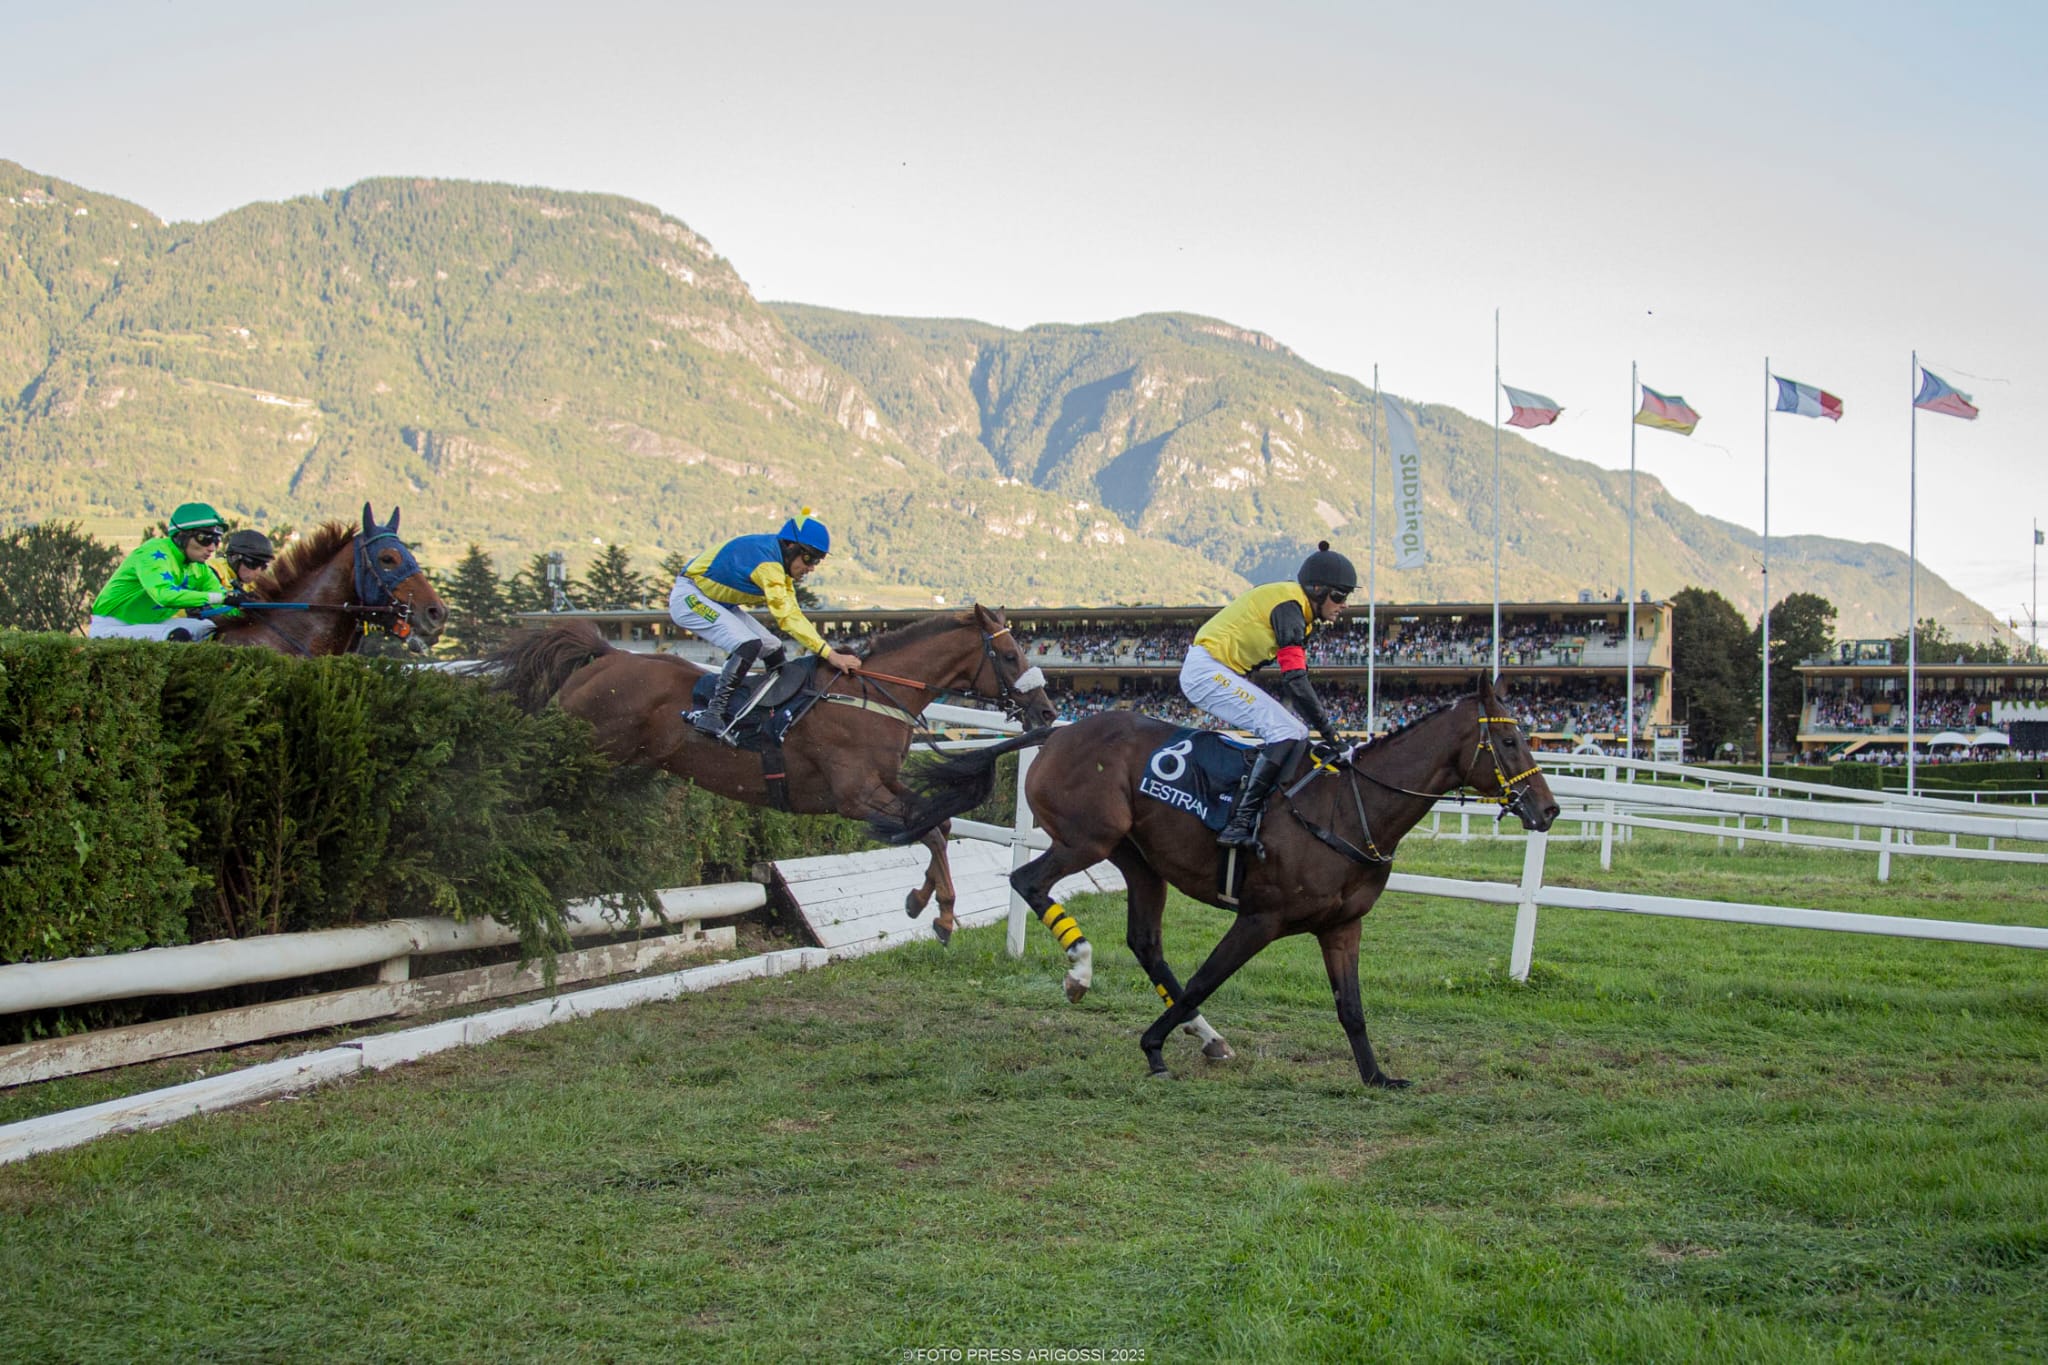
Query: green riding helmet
<point x="196" y="516"/>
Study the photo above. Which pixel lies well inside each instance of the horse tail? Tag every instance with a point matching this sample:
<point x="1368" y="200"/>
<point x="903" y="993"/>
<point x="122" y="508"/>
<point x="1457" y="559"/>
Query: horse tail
<point x="533" y="666"/>
<point x="950" y="787"/>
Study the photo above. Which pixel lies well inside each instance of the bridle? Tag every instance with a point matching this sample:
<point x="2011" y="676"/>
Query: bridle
<point x="1010" y="691"/>
<point x="377" y="586"/>
<point x="1509" y="799"/>
<point x="376" y="591"/>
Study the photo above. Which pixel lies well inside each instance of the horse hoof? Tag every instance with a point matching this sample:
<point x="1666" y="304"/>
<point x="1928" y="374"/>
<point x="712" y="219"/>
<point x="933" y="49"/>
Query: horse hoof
<point x="1216" y="1050"/>
<point x="1386" y="1082"/>
<point x="1075" y="989"/>
<point x="912" y="906"/>
<point x="943" y="931"/>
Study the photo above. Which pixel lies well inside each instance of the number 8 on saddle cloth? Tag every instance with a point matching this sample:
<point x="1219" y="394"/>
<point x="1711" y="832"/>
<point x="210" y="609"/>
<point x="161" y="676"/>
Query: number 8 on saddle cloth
<point x="1200" y="772"/>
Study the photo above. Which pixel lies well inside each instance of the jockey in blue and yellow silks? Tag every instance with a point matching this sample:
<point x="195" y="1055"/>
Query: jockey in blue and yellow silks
<point x="713" y="590"/>
<point x="1270" y="623"/>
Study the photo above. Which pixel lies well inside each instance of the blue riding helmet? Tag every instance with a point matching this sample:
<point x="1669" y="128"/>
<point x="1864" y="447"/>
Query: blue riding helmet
<point x="806" y="530"/>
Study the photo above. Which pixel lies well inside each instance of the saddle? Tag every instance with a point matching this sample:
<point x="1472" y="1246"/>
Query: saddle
<point x="1201" y="772"/>
<point x="771" y="705"/>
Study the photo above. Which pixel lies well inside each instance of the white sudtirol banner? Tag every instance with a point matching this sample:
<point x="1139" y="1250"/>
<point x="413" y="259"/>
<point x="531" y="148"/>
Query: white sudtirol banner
<point x="1409" y="550"/>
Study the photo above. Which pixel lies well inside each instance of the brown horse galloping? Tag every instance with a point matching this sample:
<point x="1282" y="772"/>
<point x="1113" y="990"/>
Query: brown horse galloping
<point x="1330" y="843"/>
<point x="845" y="755"/>
<point x="333" y="583"/>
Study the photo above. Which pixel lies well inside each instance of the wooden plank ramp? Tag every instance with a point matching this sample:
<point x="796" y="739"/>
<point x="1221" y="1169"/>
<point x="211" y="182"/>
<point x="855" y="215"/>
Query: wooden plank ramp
<point x="852" y="903"/>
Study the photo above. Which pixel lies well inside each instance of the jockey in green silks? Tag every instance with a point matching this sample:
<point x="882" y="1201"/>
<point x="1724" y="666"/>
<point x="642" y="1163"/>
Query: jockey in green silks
<point x="143" y="599"/>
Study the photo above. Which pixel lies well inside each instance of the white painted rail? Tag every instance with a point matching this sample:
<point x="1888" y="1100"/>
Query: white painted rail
<point x="280" y="957"/>
<point x="1614" y="804"/>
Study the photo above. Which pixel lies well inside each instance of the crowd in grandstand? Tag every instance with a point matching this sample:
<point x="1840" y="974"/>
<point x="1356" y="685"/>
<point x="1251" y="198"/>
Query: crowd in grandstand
<point x="1423" y="641"/>
<point x="1581" y="707"/>
<point x="1854" y="712"/>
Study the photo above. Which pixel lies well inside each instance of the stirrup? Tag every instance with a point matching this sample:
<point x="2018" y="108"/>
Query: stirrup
<point x="1246" y="832"/>
<point x="707" y="721"/>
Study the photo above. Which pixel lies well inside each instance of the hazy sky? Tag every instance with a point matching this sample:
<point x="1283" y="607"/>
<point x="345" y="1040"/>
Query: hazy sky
<point x="1693" y="187"/>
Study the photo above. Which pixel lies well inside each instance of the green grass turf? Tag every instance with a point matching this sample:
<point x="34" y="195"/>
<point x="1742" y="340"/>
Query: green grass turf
<point x="1679" y="1141"/>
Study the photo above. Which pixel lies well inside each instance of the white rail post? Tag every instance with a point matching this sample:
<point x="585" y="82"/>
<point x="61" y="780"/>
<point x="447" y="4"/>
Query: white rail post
<point x="1020" y="854"/>
<point x="1607" y="836"/>
<point x="1884" y="853"/>
<point x="1525" y="913"/>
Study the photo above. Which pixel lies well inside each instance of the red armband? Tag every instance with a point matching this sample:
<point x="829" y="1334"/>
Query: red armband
<point x="1293" y="659"/>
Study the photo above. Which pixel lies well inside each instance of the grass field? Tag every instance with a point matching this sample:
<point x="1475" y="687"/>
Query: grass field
<point x="1679" y="1141"/>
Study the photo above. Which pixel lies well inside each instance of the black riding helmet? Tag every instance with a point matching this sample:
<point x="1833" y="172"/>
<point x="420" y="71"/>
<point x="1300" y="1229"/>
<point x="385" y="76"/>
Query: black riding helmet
<point x="250" y="547"/>
<point x="1325" y="572"/>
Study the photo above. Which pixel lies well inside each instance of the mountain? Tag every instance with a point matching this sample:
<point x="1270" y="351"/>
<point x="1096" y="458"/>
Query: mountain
<point x="531" y="369"/>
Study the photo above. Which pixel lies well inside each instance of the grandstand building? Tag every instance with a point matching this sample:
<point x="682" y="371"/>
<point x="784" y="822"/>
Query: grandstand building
<point x="1565" y="663"/>
<point x="1853" y="705"/>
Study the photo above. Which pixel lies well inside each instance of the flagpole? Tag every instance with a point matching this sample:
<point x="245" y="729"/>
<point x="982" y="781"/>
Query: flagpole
<point x="2036" y="622"/>
<point x="1912" y="577"/>
<point x="1630" y="705"/>
<point x="1496" y="497"/>
<point x="1372" y="572"/>
<point x="1764" y="630"/>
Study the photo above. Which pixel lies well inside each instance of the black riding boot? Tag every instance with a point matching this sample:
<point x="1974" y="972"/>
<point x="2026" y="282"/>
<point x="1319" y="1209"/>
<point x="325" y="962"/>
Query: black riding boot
<point x="717" y="714"/>
<point x="1243" y="829"/>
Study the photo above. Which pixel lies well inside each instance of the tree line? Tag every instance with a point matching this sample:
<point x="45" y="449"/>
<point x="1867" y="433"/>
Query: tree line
<point x="1717" y="664"/>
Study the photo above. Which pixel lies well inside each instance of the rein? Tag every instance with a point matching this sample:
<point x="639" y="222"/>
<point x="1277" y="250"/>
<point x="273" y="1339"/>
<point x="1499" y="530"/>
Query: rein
<point x="1370" y="855"/>
<point x="871" y="681"/>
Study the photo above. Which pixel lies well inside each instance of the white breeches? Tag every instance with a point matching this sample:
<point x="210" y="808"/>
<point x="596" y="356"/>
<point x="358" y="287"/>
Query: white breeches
<point x="107" y="628"/>
<point x="715" y="622"/>
<point x="1236" y="700"/>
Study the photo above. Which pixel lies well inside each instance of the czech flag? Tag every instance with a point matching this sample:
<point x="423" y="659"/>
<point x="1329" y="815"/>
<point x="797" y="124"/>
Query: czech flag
<point x="1531" y="409"/>
<point x="1665" y="413"/>
<point x="1807" y="401"/>
<point x="1936" y="396"/>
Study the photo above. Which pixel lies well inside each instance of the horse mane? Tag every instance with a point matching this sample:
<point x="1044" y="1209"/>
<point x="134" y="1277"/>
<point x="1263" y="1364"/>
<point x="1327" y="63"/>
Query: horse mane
<point x="309" y="552"/>
<point x="1383" y="741"/>
<point x="936" y="624"/>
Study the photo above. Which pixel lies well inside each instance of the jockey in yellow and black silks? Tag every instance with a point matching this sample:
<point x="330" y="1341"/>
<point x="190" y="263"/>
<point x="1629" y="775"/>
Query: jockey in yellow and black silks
<point x="712" y="593"/>
<point x="1271" y="623"/>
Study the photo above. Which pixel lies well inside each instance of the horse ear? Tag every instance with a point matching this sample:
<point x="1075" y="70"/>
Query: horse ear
<point x="393" y="527"/>
<point x="369" y="520"/>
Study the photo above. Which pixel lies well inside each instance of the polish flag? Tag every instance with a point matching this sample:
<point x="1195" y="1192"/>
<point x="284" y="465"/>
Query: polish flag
<point x="1531" y="409"/>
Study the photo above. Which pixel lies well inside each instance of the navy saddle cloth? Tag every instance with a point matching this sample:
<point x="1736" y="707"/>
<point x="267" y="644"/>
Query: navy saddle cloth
<point x="786" y="697"/>
<point x="1198" y="771"/>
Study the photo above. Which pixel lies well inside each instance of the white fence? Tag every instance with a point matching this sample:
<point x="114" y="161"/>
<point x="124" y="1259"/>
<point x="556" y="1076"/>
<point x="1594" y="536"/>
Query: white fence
<point x="390" y="947"/>
<point x="1615" y="807"/>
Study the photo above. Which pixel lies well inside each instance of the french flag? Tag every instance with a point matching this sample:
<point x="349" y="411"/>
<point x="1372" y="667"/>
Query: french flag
<point x="1531" y="409"/>
<point x="1936" y="396"/>
<point x="1807" y="401"/>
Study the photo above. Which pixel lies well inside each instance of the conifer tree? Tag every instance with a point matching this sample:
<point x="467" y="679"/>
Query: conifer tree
<point x="49" y="575"/>
<point x="613" y="585"/>
<point x="480" y="612"/>
<point x="672" y="567"/>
